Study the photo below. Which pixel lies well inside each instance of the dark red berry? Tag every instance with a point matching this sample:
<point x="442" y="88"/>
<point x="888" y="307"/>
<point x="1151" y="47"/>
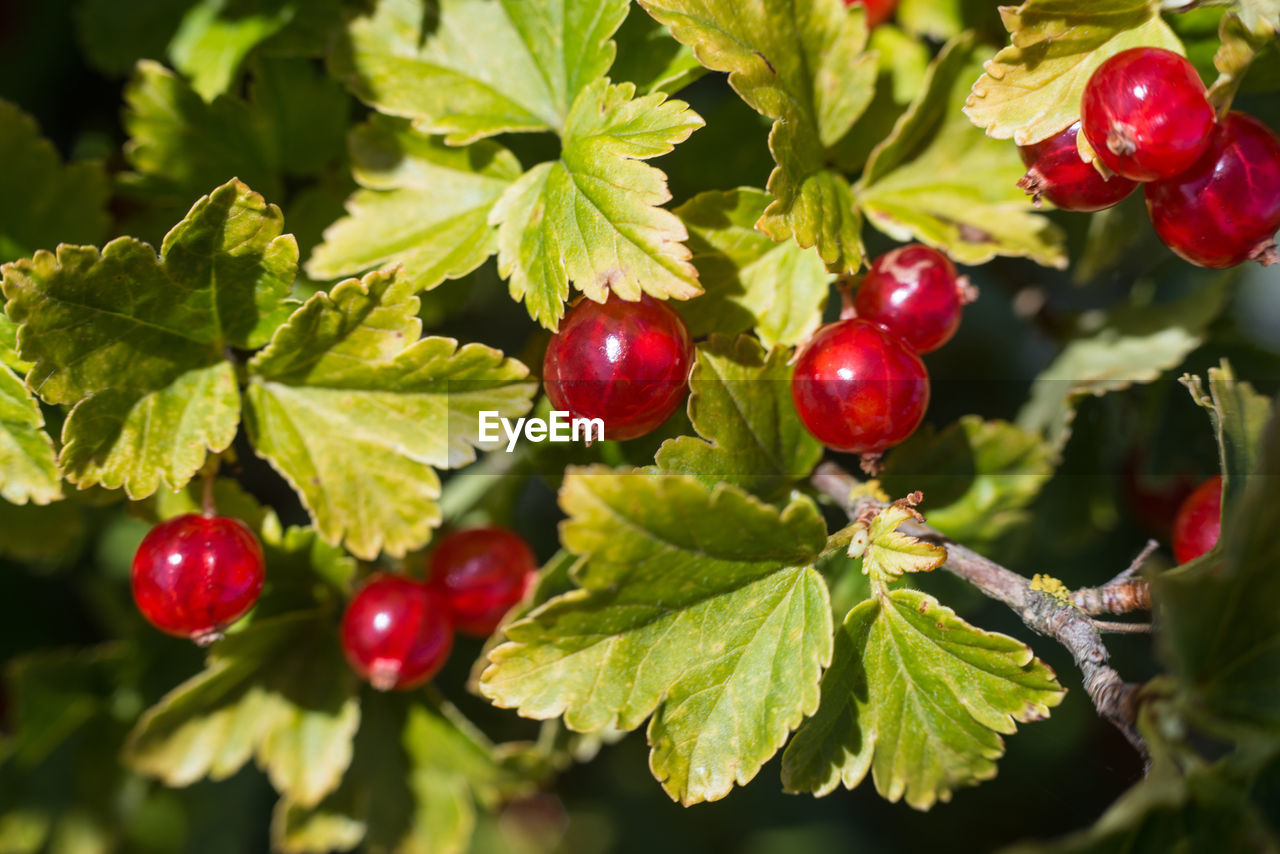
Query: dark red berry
<point x="1153" y="500"/>
<point x="626" y="363"/>
<point x="915" y="292"/>
<point x="1225" y="209"/>
<point x="195" y="575"/>
<point x="1056" y="172"/>
<point x="1199" y="521"/>
<point x="1146" y="115"/>
<point x="483" y="573"/>
<point x="396" y="632"/>
<point x="859" y="388"/>
<point x="878" y="11"/>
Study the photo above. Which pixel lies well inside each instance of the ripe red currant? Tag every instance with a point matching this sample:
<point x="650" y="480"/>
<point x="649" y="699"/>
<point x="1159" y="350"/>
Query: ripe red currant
<point x="1225" y="209"/>
<point x="915" y="292"/>
<point x="1056" y="172"/>
<point x="195" y="575"/>
<point x="1199" y="521"/>
<point x="1145" y="114"/>
<point x="1153" y="501"/>
<point x="878" y="11"/>
<point x="626" y="363"/>
<point x="859" y="388"/>
<point x="483" y="573"/>
<point x="396" y="632"/>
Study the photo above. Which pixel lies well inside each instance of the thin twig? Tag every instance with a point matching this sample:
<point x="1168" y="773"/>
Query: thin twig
<point x="1125" y="593"/>
<point x="1122" y="628"/>
<point x="1041" y="611"/>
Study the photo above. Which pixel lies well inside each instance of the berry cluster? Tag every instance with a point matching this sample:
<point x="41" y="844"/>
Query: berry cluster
<point x="195" y="575"/>
<point x="859" y="385"/>
<point x="1212" y="187"/>
<point x="397" y="632"/>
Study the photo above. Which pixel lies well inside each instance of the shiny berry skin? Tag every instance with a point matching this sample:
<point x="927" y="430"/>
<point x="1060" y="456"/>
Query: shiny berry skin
<point x="396" y="632"/>
<point x="1146" y="115"/>
<point x="915" y="292"/>
<point x="859" y="388"/>
<point x="483" y="573"/>
<point x="1056" y="172"/>
<point x="195" y="575"/>
<point x="1199" y="521"/>
<point x="1225" y="209"/>
<point x="878" y="11"/>
<point x="626" y="363"/>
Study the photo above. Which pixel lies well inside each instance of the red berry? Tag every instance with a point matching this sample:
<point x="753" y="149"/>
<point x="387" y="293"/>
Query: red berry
<point x="396" y="632"/>
<point x="1225" y="209"/>
<point x="915" y="292"/>
<point x="1199" y="521"/>
<point x="1153" y="501"/>
<point x="195" y="575"/>
<point x="859" y="388"/>
<point x="1146" y="115"/>
<point x="878" y="11"/>
<point x="626" y="363"/>
<point x="1056" y="172"/>
<point x="483" y="573"/>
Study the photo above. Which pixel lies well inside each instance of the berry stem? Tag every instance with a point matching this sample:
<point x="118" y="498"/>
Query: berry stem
<point x="847" y="286"/>
<point x="208" y="503"/>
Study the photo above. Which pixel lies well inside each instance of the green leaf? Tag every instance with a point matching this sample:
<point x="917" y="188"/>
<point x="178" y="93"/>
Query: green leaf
<point x="920" y="698"/>
<point x="939" y="180"/>
<point x="1131" y="344"/>
<point x="279" y="691"/>
<point x="146" y="368"/>
<point x="46" y="202"/>
<point x="28" y="471"/>
<point x="421" y="204"/>
<point x="803" y="65"/>
<point x="141" y="440"/>
<point x="751" y="282"/>
<point x="1032" y="89"/>
<point x="1258" y="15"/>
<point x="890" y="552"/>
<point x="592" y="217"/>
<point x="9" y="346"/>
<point x="978" y="477"/>
<point x="304" y="114"/>
<point x="1239" y="416"/>
<point x="902" y="71"/>
<point x="650" y="58"/>
<point x="114" y="43"/>
<point x="410" y="789"/>
<point x="1217" y="613"/>
<point x="740" y="404"/>
<point x="294" y="123"/>
<point x="420" y="61"/>
<point x="210" y="46"/>
<point x="666" y="558"/>
<point x="357" y="413"/>
<point x="179" y="145"/>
